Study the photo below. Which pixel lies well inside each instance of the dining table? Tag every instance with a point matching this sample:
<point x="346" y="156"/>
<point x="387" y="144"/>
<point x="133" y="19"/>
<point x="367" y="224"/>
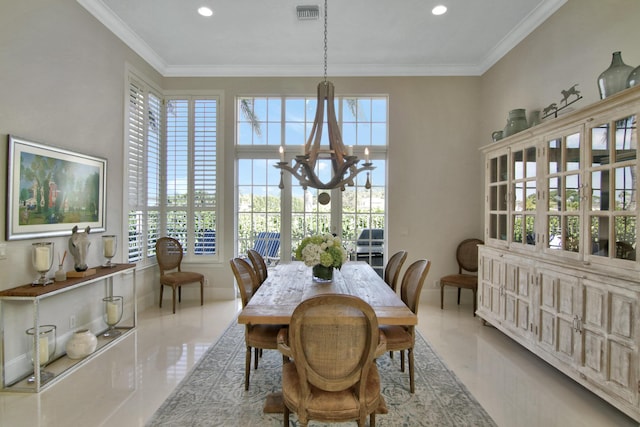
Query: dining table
<point x="288" y="284"/>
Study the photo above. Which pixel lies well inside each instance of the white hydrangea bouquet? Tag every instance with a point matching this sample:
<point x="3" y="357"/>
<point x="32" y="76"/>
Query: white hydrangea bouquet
<point x="323" y="253"/>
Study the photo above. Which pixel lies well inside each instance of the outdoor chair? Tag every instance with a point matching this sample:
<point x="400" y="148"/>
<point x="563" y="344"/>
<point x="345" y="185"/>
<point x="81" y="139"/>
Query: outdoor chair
<point x="267" y="244"/>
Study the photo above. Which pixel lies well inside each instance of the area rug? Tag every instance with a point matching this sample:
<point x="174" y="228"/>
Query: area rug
<point x="213" y="394"/>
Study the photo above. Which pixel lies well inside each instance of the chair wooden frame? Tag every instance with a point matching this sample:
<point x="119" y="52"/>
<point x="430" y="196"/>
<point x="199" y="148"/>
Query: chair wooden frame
<point x="401" y="338"/>
<point x="257" y="337"/>
<point x="259" y="265"/>
<point x="313" y="384"/>
<point x="467" y="258"/>
<point x="169" y="256"/>
<point x="392" y="270"/>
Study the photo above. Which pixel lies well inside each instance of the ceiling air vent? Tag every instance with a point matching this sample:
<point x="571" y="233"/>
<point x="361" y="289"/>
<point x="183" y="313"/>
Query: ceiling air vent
<point x="308" y="12"/>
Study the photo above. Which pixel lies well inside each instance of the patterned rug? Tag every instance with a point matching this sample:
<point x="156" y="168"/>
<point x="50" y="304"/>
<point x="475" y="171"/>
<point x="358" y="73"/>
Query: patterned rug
<point x="213" y="394"/>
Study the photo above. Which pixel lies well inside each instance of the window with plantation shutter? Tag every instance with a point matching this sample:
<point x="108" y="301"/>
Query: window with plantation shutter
<point x="144" y="140"/>
<point x="171" y="171"/>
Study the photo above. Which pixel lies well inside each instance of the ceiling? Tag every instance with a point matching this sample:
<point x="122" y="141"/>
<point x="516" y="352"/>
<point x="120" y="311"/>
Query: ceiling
<point x="365" y="37"/>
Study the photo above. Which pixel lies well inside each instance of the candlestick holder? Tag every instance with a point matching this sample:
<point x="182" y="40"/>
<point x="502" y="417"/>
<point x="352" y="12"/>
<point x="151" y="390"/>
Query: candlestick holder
<point x="109" y="246"/>
<point x="112" y="314"/>
<point x="42" y="259"/>
<point x="46" y="340"/>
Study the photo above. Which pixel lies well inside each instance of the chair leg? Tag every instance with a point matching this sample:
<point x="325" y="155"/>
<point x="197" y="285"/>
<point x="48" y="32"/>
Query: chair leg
<point x="411" y="381"/>
<point x="247" y="367"/>
<point x="372" y="419"/>
<point x="441" y="296"/>
<point x="402" y="360"/>
<point x="391" y="354"/>
<point x="286" y="416"/>
<point x="256" y="353"/>
<point x="174" y="300"/>
<point x="179" y="293"/>
<point x="161" y="291"/>
<point x="459" y="289"/>
<point x="202" y="292"/>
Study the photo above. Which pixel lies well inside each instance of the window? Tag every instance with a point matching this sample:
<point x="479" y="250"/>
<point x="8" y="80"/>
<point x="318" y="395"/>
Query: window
<point x="172" y="172"/>
<point x="264" y="123"/>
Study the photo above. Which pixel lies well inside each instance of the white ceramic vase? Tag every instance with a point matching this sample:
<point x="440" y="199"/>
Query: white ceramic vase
<point x="81" y="344"/>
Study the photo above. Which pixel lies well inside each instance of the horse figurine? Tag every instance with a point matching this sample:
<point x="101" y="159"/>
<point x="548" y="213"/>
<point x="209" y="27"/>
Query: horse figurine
<point x="571" y="91"/>
<point x="79" y="246"/>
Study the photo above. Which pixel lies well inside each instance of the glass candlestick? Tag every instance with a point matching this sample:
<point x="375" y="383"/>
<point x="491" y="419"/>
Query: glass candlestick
<point x="42" y="259"/>
<point x="109" y="246"/>
<point x="112" y="314"/>
<point x="46" y="348"/>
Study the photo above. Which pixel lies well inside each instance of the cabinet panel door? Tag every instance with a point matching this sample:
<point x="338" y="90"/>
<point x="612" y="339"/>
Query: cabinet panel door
<point x="610" y="337"/>
<point x="559" y="311"/>
<point x="517" y="298"/>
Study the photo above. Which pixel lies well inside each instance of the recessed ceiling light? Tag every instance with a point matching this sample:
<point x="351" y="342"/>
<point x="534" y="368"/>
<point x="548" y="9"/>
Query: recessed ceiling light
<point x="439" y="10"/>
<point x="205" y="11"/>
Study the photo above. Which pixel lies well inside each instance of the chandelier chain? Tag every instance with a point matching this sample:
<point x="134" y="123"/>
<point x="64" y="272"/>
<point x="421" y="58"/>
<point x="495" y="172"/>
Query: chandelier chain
<point x="325" y="41"/>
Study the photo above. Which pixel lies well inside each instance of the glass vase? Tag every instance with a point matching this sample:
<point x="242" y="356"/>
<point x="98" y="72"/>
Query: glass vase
<point x="614" y="79"/>
<point x="43" y="348"/>
<point x="42" y="259"/>
<point x="322" y="274"/>
<point x="517" y="122"/>
<point x="112" y="314"/>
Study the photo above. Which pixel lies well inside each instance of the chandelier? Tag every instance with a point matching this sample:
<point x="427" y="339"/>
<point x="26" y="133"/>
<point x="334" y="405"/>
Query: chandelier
<point x="344" y="163"/>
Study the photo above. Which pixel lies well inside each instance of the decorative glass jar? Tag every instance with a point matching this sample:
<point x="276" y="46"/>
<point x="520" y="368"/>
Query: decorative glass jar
<point x="614" y="79"/>
<point x="517" y="122"/>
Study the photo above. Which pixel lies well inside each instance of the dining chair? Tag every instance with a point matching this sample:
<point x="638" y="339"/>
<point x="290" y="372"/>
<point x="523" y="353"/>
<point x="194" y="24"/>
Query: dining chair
<point x="467" y="258"/>
<point x="329" y="373"/>
<point x="392" y="270"/>
<point x="259" y="265"/>
<point x="401" y="338"/>
<point x="169" y="256"/>
<point x="257" y="336"/>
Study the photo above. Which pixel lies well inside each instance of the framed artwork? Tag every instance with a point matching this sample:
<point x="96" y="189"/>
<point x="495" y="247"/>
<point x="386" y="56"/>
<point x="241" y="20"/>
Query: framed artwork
<point x="50" y="190"/>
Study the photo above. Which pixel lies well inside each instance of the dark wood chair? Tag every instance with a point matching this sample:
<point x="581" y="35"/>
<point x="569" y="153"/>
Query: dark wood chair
<point x="169" y="257"/>
<point x="330" y="372"/>
<point x="467" y="257"/>
<point x="392" y="270"/>
<point x="256" y="337"/>
<point x="401" y="338"/>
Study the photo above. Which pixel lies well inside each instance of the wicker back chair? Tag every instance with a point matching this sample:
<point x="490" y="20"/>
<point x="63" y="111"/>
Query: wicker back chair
<point x="392" y="270"/>
<point x="259" y="265"/>
<point x="333" y="377"/>
<point x="256" y="337"/>
<point x="401" y="338"/>
<point x="467" y="257"/>
<point x="169" y="257"/>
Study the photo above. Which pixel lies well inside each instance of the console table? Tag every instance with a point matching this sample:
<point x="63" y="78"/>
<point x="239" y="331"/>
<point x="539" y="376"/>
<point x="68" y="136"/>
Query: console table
<point x="61" y="365"/>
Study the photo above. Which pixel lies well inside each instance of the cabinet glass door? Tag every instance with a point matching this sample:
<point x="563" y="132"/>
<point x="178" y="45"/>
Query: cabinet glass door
<point x="524" y="199"/>
<point x="564" y="192"/>
<point x="498" y="197"/>
<point x="613" y="176"/>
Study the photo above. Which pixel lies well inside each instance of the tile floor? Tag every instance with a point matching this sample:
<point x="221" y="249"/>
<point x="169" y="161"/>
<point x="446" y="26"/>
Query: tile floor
<point x="123" y="386"/>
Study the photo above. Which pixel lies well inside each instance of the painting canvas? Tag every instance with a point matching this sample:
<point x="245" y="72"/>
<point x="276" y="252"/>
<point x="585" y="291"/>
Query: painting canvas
<point x="50" y="190"/>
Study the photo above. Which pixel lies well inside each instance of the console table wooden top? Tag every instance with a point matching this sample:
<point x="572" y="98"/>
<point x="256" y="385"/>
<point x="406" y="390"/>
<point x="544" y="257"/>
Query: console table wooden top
<point x="31" y="291"/>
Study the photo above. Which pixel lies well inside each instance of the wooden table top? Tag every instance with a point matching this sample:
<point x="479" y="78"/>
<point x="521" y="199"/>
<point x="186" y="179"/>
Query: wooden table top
<point x="289" y="284"/>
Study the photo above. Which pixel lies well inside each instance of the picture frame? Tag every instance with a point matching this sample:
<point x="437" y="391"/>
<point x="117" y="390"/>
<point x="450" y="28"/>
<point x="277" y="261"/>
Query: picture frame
<point x="74" y="193"/>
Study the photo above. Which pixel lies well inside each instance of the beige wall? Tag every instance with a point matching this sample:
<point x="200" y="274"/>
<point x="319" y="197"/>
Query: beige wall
<point x="62" y="83"/>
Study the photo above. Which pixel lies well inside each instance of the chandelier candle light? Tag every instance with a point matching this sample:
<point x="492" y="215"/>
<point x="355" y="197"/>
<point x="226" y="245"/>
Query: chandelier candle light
<point x="344" y="163"/>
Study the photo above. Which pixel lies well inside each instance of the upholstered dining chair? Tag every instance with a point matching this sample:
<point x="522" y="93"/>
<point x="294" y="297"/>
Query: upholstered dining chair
<point x="169" y="256"/>
<point x="467" y="257"/>
<point x="329" y="373"/>
<point x="257" y="337"/>
<point x="401" y="338"/>
<point x="259" y="265"/>
<point x="392" y="270"/>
